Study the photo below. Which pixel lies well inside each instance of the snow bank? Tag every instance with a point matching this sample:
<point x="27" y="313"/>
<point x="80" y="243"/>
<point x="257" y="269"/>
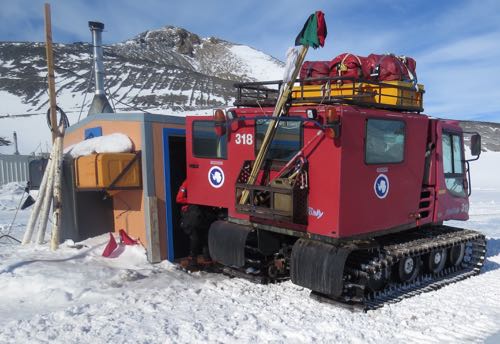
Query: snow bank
<point x="74" y="295"/>
<point x="113" y="143"/>
<point x="10" y="194"/>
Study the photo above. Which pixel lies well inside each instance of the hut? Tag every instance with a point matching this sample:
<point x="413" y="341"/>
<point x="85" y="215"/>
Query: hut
<point x="143" y="202"/>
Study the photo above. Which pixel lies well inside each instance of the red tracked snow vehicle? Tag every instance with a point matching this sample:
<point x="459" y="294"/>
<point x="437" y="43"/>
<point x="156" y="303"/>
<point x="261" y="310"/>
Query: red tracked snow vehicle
<point x="351" y="199"/>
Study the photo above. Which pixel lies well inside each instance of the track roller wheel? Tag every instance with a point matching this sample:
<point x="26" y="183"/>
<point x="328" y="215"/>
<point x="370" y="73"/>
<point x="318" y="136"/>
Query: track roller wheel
<point x="408" y="268"/>
<point x="379" y="280"/>
<point x="436" y="261"/>
<point x="456" y="254"/>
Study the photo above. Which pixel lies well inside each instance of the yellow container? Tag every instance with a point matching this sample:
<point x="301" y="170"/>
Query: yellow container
<point x="401" y="93"/>
<point x="393" y="93"/>
<point x="347" y="91"/>
<point x="99" y="171"/>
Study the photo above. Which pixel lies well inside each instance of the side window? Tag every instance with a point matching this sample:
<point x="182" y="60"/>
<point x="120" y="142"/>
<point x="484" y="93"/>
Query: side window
<point x="287" y="140"/>
<point x="385" y="141"/>
<point x="206" y="143"/>
<point x="452" y="164"/>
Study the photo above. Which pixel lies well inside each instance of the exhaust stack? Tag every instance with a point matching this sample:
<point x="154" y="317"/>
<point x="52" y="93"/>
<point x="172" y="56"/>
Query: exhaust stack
<point x="100" y="103"/>
<point x="16" y="150"/>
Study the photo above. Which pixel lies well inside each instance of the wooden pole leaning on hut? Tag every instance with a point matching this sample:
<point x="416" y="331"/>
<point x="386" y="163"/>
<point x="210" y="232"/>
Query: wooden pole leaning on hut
<point x="50" y="188"/>
<point x="51" y="77"/>
<point x="312" y="34"/>
<point x="57" y="132"/>
<point x="42" y="194"/>
<point x="57" y="193"/>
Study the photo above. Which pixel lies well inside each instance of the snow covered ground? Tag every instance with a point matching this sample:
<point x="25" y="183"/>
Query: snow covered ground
<point x="74" y="295"/>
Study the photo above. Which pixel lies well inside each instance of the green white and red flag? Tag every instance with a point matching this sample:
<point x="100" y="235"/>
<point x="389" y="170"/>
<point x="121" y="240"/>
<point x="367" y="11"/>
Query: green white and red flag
<point x="314" y="32"/>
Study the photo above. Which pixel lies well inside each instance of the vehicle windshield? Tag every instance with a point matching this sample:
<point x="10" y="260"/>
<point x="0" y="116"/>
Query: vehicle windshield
<point x="287" y="140"/>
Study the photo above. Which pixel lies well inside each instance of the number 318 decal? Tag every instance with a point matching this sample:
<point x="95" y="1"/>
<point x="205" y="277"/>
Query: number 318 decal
<point x="244" y="139"/>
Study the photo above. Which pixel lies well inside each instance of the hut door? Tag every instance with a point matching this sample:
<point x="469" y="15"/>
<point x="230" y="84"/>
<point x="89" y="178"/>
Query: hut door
<point x="174" y="148"/>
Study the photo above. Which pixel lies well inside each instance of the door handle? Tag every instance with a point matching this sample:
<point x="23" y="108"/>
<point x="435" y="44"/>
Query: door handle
<point x="194" y="165"/>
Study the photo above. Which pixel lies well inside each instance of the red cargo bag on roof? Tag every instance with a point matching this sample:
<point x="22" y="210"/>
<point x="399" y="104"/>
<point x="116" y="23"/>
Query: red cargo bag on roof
<point x="347" y="65"/>
<point x="389" y="67"/>
<point x="411" y="64"/>
<point x="313" y="70"/>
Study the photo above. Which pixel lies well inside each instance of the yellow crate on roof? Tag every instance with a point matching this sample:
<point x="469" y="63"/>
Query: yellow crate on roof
<point x="397" y="94"/>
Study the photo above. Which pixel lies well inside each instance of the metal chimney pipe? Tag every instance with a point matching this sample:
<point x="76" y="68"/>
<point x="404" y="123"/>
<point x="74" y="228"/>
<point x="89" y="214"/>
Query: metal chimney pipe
<point x="16" y="150"/>
<point x="100" y="103"/>
<point x="96" y="29"/>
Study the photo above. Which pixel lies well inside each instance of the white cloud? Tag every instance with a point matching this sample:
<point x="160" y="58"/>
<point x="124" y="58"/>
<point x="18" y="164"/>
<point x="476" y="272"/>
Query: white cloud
<point x="475" y="49"/>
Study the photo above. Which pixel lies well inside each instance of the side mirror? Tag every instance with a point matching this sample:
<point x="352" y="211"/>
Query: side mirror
<point x="475" y="145"/>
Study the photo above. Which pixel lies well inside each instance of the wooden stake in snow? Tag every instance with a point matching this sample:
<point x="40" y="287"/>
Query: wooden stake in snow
<point x="50" y="67"/>
<point x="42" y="204"/>
<point x="50" y="188"/>
<point x="47" y="200"/>
<point x="57" y="196"/>
<point x="38" y="204"/>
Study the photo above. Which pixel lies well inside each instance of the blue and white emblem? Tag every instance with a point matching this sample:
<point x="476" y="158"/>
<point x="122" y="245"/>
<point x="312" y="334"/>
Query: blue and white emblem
<point x="381" y="186"/>
<point x="216" y="177"/>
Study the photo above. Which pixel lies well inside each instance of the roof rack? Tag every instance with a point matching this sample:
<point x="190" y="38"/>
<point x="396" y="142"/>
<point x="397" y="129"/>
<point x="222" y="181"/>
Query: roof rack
<point x="393" y="95"/>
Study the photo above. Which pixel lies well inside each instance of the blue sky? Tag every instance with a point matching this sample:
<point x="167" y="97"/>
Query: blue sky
<point x="456" y="43"/>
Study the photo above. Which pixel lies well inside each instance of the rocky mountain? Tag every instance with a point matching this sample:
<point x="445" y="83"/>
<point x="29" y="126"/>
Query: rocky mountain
<point x="4" y="141"/>
<point x="169" y="70"/>
<point x="489" y="131"/>
<point x="164" y="70"/>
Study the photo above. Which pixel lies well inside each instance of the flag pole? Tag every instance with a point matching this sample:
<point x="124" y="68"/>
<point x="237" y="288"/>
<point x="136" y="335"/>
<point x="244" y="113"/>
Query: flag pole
<point x="279" y="111"/>
<point x="50" y="67"/>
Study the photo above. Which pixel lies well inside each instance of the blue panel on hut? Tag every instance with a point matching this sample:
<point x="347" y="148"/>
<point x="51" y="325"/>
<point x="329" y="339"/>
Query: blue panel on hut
<point x="93" y="132"/>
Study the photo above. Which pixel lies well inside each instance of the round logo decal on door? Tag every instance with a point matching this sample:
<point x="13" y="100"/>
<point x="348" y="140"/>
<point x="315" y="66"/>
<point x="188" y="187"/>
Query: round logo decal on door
<point x="216" y="177"/>
<point x="381" y="186"/>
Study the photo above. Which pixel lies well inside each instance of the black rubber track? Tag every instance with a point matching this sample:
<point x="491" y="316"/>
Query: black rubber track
<point x="442" y="237"/>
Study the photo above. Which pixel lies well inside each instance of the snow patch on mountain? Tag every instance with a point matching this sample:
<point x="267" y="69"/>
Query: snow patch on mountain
<point x="258" y="64"/>
<point x="170" y="69"/>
